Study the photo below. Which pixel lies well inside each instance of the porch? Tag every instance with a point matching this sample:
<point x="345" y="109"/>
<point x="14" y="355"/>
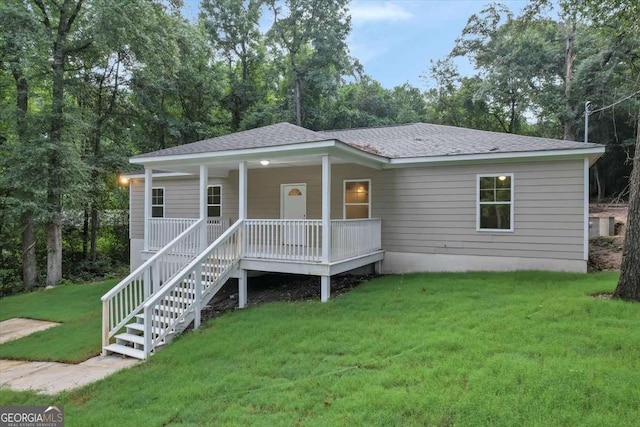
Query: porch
<point x="259" y="225"/>
<point x="285" y="205"/>
<point x="285" y="245"/>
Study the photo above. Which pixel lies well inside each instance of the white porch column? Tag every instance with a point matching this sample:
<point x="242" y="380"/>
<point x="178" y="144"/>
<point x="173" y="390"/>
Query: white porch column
<point x="326" y="208"/>
<point x="242" y="190"/>
<point x="204" y="180"/>
<point x="325" y="288"/>
<point x="148" y="185"/>
<point x="242" y="289"/>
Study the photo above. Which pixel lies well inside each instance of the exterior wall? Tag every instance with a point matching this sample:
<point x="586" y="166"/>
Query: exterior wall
<point x="424" y="210"/>
<point x="433" y="211"/>
<point x="405" y="262"/>
<point x="180" y="199"/>
<point x="136" y="257"/>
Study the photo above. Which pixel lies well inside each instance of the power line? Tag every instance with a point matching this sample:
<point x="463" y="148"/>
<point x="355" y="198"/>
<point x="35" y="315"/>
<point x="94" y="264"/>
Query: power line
<point x="615" y="103"/>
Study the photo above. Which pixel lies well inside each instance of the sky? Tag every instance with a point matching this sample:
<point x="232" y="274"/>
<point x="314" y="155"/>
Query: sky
<point x="395" y="40"/>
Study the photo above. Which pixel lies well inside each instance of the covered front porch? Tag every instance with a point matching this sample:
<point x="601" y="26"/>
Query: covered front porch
<point x="296" y="231"/>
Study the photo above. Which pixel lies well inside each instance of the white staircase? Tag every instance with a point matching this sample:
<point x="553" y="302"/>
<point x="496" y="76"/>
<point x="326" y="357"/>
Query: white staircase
<point x="142" y="326"/>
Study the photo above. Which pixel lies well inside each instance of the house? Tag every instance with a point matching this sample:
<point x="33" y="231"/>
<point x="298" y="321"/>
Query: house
<point x="415" y="197"/>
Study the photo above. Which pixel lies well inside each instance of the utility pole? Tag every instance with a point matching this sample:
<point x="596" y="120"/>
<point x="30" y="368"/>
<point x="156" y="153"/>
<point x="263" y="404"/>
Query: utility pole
<point x="587" y="111"/>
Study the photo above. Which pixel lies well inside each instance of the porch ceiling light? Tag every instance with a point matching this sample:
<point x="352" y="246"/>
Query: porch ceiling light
<point x="264" y="162"/>
<point x="123" y="180"/>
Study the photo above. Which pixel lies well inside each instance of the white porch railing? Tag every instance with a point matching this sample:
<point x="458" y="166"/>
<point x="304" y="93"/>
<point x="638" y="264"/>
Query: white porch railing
<point x="284" y="239"/>
<point x="215" y="228"/>
<point x="164" y="230"/>
<point x="194" y="286"/>
<point x="125" y="300"/>
<point x="354" y="237"/>
<point x="301" y="240"/>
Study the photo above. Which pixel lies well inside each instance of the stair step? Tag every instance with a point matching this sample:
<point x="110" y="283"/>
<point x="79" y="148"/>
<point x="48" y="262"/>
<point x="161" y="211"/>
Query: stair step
<point x="177" y="299"/>
<point x="164" y="308"/>
<point x="204" y="282"/>
<point x="156" y="318"/>
<point x="140" y="328"/>
<point x="134" y="339"/>
<point x="127" y="351"/>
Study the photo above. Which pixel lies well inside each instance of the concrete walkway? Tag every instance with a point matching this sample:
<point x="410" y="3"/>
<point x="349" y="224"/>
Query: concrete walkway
<point x="51" y="377"/>
<point x="18" y="327"/>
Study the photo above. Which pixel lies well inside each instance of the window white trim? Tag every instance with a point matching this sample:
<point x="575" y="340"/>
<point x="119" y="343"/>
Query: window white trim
<point x="214" y="204"/>
<point x="344" y="196"/>
<point x="510" y="203"/>
<point x="164" y="202"/>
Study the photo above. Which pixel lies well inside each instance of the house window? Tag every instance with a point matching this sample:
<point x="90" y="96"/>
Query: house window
<point x="157" y="202"/>
<point x="357" y="199"/>
<point x="214" y="201"/>
<point x="495" y="202"/>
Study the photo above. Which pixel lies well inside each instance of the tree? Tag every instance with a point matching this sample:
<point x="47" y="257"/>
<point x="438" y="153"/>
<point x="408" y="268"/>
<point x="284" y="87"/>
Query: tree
<point x="488" y="40"/>
<point x="312" y="34"/>
<point x="629" y="283"/>
<point x="455" y="101"/>
<point x="58" y="20"/>
<point x="233" y="28"/>
<point x="14" y="39"/>
<point x="176" y="88"/>
<point x="618" y="22"/>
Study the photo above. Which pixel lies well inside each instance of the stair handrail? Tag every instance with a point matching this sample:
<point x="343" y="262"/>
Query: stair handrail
<point x="139" y="285"/>
<point x="230" y="254"/>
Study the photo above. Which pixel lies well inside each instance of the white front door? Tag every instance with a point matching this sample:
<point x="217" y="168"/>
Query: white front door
<point x="294" y="206"/>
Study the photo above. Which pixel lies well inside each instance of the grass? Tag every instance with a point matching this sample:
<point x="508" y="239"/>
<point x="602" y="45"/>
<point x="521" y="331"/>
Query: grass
<point x="475" y="349"/>
<point x="79" y="310"/>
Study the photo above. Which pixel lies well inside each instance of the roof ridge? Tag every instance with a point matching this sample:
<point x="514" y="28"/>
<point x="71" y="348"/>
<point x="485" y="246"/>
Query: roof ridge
<point x="373" y="127"/>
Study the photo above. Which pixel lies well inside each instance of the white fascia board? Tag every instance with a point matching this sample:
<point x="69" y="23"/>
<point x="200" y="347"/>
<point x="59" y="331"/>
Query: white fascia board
<point x="593" y="153"/>
<point x="158" y="175"/>
<point x="362" y="157"/>
<point x="243" y="154"/>
<point x="332" y="147"/>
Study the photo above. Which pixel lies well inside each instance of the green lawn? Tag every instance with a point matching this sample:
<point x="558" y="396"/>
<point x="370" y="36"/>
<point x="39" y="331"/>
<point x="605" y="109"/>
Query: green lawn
<point x="478" y="349"/>
<point x="77" y="307"/>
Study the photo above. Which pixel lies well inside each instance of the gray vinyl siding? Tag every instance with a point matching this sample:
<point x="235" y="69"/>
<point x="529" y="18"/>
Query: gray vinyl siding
<point x="428" y="210"/>
<point x="181" y="199"/>
<point x="136" y="209"/>
<point x="433" y="211"/>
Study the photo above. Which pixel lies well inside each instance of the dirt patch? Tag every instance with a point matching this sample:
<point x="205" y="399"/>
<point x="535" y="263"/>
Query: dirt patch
<point x="603" y="295"/>
<point x="605" y="253"/>
<point x="277" y="287"/>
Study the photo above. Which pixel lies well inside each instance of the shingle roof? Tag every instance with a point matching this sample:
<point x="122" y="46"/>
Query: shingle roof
<point x="429" y="140"/>
<point x="267" y="136"/>
<point x="400" y="141"/>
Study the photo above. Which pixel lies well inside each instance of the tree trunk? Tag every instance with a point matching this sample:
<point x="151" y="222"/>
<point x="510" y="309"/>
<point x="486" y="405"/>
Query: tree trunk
<point x="570" y="132"/>
<point x="298" y="101"/>
<point x="29" y="261"/>
<point x="54" y="255"/>
<point x="54" y="190"/>
<point x="68" y="12"/>
<point x="94" y="233"/>
<point x="599" y="182"/>
<point x="85" y="235"/>
<point x="629" y="284"/>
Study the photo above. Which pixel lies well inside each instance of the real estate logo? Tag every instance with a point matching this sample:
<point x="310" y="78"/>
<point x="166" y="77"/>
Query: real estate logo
<point x="31" y="416"/>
